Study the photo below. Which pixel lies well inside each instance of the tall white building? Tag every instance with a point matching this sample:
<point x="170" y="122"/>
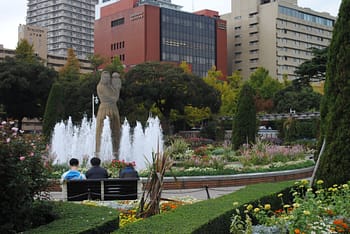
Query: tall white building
<point x="69" y="23"/>
<point x="274" y="34"/>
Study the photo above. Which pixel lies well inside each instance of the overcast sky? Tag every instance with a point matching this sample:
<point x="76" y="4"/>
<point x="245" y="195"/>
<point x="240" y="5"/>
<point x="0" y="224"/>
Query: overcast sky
<point x="13" y="13"/>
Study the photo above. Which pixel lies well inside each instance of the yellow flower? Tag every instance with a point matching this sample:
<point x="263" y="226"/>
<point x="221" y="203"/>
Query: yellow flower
<point x="309" y="190"/>
<point x="345" y="186"/>
<point x="296" y="205"/>
<point x="286" y="206"/>
<point x="305" y="182"/>
<point x="306" y="212"/>
<point x="319" y="182"/>
<point x="280" y="195"/>
<point x="250" y="207"/>
<point x="267" y="207"/>
<point x="235" y="204"/>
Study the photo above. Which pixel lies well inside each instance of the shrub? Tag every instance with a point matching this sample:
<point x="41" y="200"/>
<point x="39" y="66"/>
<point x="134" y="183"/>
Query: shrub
<point x="23" y="176"/>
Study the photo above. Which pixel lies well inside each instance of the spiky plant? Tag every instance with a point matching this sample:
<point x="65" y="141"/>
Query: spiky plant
<point x="150" y="200"/>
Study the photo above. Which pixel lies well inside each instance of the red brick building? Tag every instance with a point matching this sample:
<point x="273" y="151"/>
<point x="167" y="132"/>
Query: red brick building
<point x="139" y="32"/>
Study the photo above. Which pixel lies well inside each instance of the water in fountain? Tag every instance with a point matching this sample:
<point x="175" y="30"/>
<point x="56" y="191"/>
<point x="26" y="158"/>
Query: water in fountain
<point x="139" y="144"/>
<point x="135" y="144"/>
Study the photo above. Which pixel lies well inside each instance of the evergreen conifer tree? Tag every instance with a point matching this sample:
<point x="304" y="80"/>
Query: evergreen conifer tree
<point x="335" y="109"/>
<point x="244" y="123"/>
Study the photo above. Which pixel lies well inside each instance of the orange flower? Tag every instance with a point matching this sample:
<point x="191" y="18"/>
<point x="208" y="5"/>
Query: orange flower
<point x="297" y="231"/>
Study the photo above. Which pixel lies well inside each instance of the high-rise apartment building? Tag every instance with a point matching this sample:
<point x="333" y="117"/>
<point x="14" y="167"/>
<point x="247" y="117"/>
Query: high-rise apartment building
<point x="274" y="34"/>
<point x="156" y="30"/>
<point x="69" y="23"/>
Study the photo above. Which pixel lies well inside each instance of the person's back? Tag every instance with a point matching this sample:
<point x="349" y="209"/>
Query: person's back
<point x="96" y="171"/>
<point x="73" y="173"/>
<point x="128" y="172"/>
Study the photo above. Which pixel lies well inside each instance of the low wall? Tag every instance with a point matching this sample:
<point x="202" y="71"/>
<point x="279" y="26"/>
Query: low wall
<point x="190" y="182"/>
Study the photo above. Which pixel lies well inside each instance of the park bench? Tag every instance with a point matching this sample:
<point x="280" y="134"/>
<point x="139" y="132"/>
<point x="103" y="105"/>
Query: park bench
<point x="100" y="189"/>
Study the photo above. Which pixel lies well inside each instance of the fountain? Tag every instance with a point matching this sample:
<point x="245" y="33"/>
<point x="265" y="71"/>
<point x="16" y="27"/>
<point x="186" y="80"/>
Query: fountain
<point x="136" y="144"/>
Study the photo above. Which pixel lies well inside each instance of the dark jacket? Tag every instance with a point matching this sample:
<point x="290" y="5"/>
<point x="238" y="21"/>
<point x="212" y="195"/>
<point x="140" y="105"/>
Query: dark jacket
<point x="96" y="172"/>
<point x="128" y="172"/>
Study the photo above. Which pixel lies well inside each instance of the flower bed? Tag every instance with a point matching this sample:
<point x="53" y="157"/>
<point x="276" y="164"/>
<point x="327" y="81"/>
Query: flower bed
<point x="318" y="210"/>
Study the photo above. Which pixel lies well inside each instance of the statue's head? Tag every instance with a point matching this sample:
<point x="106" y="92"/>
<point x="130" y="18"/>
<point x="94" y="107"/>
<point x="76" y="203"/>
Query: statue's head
<point x="105" y="77"/>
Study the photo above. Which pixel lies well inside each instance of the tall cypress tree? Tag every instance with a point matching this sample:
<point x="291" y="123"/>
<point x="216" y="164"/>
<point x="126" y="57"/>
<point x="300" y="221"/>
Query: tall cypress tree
<point x="335" y="109"/>
<point x="244" y="123"/>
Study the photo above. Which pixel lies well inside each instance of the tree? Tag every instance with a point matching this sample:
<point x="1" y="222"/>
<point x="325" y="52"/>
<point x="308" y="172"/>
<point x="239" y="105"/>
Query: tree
<point x="335" y="109"/>
<point x="196" y="115"/>
<point x="166" y="87"/>
<point x="96" y="61"/>
<point x="228" y="89"/>
<point x="313" y="70"/>
<point x="24" y="85"/>
<point x="244" y="122"/>
<point x="185" y="67"/>
<point x="71" y="69"/>
<point x="115" y="66"/>
<point x="25" y="52"/>
<point x="54" y="111"/>
<point x="265" y="88"/>
<point x="299" y="99"/>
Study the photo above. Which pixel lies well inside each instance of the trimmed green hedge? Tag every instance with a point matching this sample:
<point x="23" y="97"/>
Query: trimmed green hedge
<point x="209" y="216"/>
<point x="77" y="218"/>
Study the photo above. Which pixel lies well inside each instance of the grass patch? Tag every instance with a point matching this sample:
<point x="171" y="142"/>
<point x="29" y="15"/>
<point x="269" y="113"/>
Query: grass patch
<point x="78" y="218"/>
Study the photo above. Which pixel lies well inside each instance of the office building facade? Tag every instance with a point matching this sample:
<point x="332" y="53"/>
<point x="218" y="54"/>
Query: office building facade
<point x="69" y="23"/>
<point x="274" y="34"/>
<point x="149" y="30"/>
<point x="36" y="36"/>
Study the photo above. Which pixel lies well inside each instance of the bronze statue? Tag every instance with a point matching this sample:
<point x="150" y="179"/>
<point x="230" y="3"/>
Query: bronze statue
<point x="108" y="90"/>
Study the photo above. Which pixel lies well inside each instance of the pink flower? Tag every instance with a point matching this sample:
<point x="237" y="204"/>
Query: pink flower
<point x="14" y="129"/>
<point x="22" y="158"/>
<point x="8" y="140"/>
<point x="31" y="154"/>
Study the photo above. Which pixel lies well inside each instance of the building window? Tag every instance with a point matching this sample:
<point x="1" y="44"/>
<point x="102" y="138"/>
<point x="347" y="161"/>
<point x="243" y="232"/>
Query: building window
<point x="117" y="22"/>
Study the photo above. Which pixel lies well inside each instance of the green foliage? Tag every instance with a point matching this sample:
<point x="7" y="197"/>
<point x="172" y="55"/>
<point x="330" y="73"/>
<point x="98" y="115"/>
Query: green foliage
<point x="80" y="218"/>
<point x="263" y="84"/>
<point x="209" y="216"/>
<point x="300" y="129"/>
<point x="23" y="176"/>
<point x="228" y="90"/>
<point x="115" y="66"/>
<point x="24" y="86"/>
<point x="71" y="69"/>
<point x="25" y="52"/>
<point x="54" y="111"/>
<point x="96" y="61"/>
<point x="244" y="123"/>
<point x="299" y="99"/>
<point x="313" y="69"/>
<point x="195" y="116"/>
<point x="166" y="88"/>
<point x="335" y="109"/>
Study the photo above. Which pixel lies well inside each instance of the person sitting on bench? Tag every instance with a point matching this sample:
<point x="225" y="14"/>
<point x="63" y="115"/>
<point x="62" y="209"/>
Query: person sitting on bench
<point x="129" y="172"/>
<point x="96" y="171"/>
<point x="73" y="173"/>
